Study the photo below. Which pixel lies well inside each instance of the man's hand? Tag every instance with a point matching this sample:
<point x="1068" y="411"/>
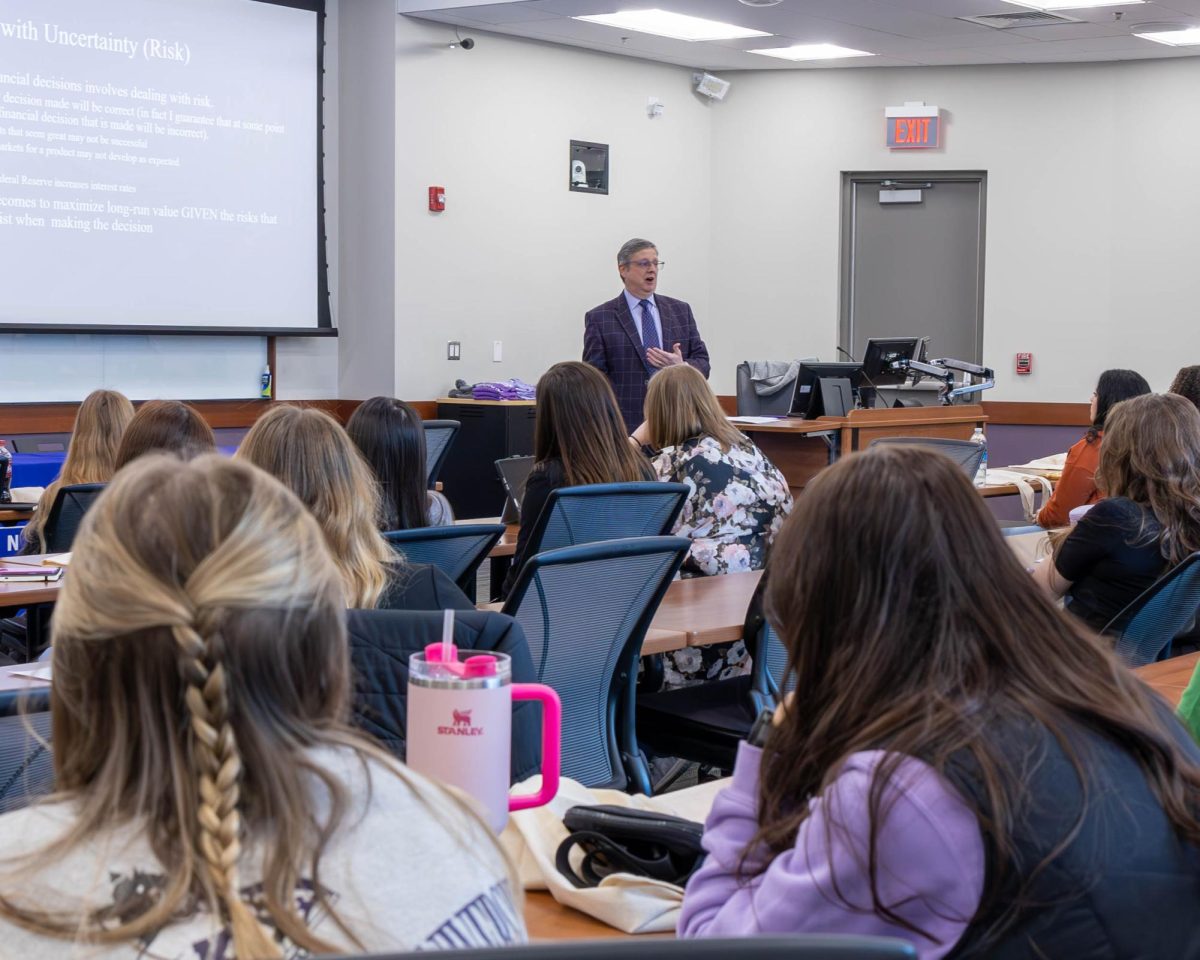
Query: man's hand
<point x="660" y="358"/>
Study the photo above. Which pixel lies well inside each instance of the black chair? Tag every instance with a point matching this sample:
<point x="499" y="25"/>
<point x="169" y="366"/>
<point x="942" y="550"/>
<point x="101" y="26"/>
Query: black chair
<point x="606" y="511"/>
<point x="66" y="513"/>
<point x="585" y="611"/>
<point x="751" y="404"/>
<point x="456" y="550"/>
<point x="1145" y="629"/>
<point x="381" y="641"/>
<point x="813" y="946"/>
<point x="439" y="437"/>
<point x="705" y="722"/>
<point x="966" y="453"/>
<point x="26" y="762"/>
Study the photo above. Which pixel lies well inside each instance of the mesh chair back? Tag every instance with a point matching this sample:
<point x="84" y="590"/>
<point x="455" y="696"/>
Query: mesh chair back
<point x="750" y="404"/>
<point x="455" y="550"/>
<point x="439" y="437"/>
<point x="26" y="763"/>
<point x="585" y="611"/>
<point x="607" y="511"/>
<point x="66" y="513"/>
<point x="1146" y="627"/>
<point x="768" y="677"/>
<point x="966" y="453"/>
<point x="806" y="946"/>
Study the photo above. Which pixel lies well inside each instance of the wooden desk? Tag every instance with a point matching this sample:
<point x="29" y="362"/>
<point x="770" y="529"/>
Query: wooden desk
<point x="1170" y="677"/>
<point x="708" y="609"/>
<point x="802" y="448"/>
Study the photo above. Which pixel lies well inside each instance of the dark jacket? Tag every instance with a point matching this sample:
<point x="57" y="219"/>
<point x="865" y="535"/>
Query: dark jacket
<point x="1124" y="885"/>
<point x="612" y="343"/>
<point x="381" y="641"/>
<point x="419" y="586"/>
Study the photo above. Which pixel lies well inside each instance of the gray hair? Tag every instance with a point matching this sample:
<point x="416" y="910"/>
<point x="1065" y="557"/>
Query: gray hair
<point x="630" y="247"/>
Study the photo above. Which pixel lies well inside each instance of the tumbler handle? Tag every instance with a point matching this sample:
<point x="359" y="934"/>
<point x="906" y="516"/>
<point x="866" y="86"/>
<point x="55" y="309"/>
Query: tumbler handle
<point x="551" y="744"/>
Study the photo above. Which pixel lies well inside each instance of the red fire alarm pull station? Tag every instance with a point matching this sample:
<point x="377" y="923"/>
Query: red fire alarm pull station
<point x="437" y="199"/>
<point x="1024" y="363"/>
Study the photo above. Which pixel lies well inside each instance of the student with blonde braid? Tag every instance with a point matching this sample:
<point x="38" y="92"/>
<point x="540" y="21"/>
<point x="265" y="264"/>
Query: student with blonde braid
<point x="212" y="801"/>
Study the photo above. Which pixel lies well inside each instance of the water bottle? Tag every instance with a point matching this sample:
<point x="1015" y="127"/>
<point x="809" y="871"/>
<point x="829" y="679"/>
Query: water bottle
<point x="460" y="727"/>
<point x="980" y="438"/>
<point x="5" y="474"/>
<point x="265" y="389"/>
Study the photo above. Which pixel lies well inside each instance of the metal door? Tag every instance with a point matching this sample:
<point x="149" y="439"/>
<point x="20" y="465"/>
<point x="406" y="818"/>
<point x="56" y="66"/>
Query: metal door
<point x="914" y="267"/>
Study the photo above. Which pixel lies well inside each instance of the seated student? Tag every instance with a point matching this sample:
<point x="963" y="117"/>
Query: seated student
<point x="579" y="438"/>
<point x="737" y="504"/>
<point x="961" y="765"/>
<point x="1077" y="486"/>
<point x="91" y="453"/>
<point x="311" y="454"/>
<point x="1150" y="469"/>
<point x="390" y="436"/>
<point x="211" y="797"/>
<point x="166" y="426"/>
<point x="1187" y="384"/>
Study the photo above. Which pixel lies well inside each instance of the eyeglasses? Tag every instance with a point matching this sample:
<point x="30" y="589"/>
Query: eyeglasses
<point x="645" y="264"/>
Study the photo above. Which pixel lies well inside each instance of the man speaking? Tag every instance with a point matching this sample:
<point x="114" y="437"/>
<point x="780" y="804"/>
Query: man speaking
<point x="639" y="332"/>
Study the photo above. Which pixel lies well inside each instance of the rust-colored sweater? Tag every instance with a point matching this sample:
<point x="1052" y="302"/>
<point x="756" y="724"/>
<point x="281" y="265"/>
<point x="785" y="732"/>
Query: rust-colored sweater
<point x="1077" y="486"/>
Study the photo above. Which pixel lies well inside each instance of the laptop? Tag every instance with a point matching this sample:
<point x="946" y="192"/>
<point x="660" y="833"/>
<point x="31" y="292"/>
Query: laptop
<point x="514" y="471"/>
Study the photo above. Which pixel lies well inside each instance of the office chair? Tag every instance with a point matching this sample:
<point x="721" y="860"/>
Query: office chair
<point x="66" y="513"/>
<point x="439" y="437"/>
<point x="705" y="722"/>
<point x="26" y="763"/>
<point x="456" y="550"/>
<point x="752" y="404"/>
<point x="381" y="642"/>
<point x="585" y="611"/>
<point x="966" y="453"/>
<point x="1145" y="629"/>
<point x="810" y="946"/>
<point x="607" y="511"/>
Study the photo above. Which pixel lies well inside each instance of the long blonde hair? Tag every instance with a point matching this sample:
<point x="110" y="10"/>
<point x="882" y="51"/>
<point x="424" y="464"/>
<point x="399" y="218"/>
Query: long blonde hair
<point x="680" y="405"/>
<point x="92" y="452"/>
<point x="200" y="656"/>
<point x="307" y="450"/>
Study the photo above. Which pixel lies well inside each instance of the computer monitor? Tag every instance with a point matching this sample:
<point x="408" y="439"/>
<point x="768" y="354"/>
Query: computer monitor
<point x="883" y="352"/>
<point x="807" y="401"/>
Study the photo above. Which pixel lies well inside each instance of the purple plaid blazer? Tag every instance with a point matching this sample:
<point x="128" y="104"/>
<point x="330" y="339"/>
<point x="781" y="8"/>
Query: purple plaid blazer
<point x="612" y="343"/>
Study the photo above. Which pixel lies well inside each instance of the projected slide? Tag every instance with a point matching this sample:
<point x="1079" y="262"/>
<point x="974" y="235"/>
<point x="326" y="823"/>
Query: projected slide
<point x="158" y="163"/>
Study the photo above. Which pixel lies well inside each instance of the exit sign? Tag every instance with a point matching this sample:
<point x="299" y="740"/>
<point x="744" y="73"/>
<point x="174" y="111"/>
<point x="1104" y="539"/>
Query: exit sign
<point x="914" y="126"/>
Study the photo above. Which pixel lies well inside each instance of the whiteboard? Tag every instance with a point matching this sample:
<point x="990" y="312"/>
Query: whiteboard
<point x="60" y="368"/>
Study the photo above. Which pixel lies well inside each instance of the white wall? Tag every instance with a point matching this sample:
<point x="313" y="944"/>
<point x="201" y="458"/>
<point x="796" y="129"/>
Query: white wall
<point x="516" y="256"/>
<point x="1092" y="222"/>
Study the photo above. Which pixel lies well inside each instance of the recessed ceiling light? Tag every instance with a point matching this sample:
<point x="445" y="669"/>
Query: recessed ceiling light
<point x="663" y="23"/>
<point x="1174" y="38"/>
<point x="1071" y="4"/>
<point x="811" y="51"/>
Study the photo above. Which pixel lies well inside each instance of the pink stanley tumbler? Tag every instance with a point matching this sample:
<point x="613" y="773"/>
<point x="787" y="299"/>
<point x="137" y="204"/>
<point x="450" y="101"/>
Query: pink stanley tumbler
<point x="460" y="727"/>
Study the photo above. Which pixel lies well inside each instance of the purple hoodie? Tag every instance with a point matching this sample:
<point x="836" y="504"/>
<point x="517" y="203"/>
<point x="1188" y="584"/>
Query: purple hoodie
<point x="929" y="860"/>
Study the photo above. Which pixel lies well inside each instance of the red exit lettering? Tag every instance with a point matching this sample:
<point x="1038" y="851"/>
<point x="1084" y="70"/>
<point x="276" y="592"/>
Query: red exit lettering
<point x="911" y="130"/>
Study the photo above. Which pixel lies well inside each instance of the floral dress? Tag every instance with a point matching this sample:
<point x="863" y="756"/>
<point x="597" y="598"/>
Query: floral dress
<point x="737" y="502"/>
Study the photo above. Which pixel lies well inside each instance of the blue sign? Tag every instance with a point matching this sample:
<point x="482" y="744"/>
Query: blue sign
<point x="11" y="543"/>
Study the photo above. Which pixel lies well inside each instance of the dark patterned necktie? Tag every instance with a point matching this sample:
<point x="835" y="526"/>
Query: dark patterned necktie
<point x="649" y="333"/>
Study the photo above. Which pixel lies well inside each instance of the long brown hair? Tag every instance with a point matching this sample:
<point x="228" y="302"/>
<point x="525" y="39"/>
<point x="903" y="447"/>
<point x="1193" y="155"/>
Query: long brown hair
<point x="165" y="425"/>
<point x="309" y="451"/>
<point x="680" y="405"/>
<point x="92" y="452"/>
<point x="579" y="423"/>
<point x="200" y="656"/>
<point x="912" y="629"/>
<point x="1151" y="454"/>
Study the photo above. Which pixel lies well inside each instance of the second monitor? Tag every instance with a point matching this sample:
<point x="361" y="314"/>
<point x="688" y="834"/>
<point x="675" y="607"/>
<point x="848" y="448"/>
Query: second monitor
<point x="825" y="389"/>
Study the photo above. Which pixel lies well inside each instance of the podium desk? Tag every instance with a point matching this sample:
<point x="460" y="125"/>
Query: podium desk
<point x="802" y="448"/>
